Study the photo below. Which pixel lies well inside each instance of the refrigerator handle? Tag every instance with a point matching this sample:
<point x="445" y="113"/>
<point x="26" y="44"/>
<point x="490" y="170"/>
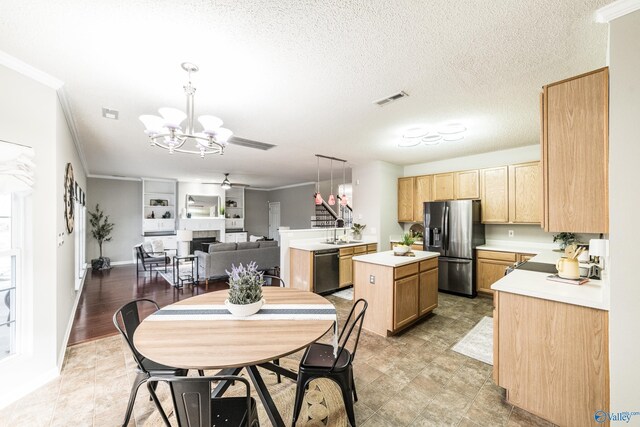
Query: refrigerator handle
<point x="445" y="229"/>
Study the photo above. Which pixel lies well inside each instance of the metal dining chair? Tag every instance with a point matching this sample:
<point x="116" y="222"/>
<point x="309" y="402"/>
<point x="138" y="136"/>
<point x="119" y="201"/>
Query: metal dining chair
<point x="319" y="361"/>
<point x="194" y="406"/>
<point x="126" y="320"/>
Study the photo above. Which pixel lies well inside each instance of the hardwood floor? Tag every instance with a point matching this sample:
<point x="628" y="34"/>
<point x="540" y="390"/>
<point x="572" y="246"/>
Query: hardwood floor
<point x="105" y="292"/>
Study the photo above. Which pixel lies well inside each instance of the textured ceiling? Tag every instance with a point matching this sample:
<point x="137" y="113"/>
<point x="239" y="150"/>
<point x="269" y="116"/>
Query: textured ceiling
<point x="302" y="74"/>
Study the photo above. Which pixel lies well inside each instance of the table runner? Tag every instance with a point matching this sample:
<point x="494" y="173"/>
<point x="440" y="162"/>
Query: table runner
<point x="266" y="313"/>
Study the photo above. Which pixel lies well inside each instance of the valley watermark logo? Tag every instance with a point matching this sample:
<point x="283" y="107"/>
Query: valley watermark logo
<point x="625" y="417"/>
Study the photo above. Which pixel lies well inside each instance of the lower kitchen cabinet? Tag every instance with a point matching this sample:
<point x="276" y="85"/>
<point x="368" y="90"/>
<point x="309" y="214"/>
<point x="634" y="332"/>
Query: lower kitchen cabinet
<point x="405" y="301"/>
<point x="428" y="291"/>
<point x="491" y="266"/>
<point x="346" y="254"/>
<point x="552" y="358"/>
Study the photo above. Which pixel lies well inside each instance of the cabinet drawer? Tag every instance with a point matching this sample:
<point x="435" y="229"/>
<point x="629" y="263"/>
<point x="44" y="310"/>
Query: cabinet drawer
<point x="360" y="249"/>
<point x="346" y="251"/>
<point x="501" y="256"/>
<point x="372" y="248"/>
<point x="429" y="264"/>
<point x="405" y="270"/>
<point x="417" y="247"/>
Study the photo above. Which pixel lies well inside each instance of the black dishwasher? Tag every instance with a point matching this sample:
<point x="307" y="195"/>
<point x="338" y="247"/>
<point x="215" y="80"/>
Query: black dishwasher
<point x="326" y="271"/>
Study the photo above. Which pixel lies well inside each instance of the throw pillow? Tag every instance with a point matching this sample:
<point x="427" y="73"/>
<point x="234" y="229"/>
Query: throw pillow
<point x="254" y="238"/>
<point x="146" y="246"/>
<point x="158" y="246"/>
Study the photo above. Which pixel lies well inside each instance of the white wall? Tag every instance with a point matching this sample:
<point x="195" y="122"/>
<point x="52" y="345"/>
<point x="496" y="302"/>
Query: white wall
<point x="122" y="201"/>
<point x="375" y="198"/>
<point x="529" y="153"/>
<point x="29" y="115"/>
<point x="624" y="202"/>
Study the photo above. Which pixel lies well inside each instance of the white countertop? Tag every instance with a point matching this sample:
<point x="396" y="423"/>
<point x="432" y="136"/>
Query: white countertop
<point x="388" y="259"/>
<point x="318" y="244"/>
<point x="535" y="284"/>
<point x="517" y="246"/>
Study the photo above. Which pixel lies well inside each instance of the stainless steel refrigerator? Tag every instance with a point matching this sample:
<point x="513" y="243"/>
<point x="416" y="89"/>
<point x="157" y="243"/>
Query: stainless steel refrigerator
<point x="453" y="229"/>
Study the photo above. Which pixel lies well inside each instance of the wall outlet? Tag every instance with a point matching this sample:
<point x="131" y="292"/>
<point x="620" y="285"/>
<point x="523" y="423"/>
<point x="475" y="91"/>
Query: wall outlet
<point x="511" y="233"/>
<point x="372" y="279"/>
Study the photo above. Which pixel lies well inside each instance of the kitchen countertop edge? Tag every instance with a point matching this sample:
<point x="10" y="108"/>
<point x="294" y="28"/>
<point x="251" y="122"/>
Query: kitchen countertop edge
<point x="388" y="259"/>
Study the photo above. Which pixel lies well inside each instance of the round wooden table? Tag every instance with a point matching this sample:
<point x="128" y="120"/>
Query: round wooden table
<point x="232" y="345"/>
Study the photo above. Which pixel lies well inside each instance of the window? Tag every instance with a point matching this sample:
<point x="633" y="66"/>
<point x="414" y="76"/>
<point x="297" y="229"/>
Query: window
<point x="9" y="259"/>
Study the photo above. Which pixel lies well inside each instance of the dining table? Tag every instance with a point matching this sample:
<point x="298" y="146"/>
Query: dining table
<point x="200" y="333"/>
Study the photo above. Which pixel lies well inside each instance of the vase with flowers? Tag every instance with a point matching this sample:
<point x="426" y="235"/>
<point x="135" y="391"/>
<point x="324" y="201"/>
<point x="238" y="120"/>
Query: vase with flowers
<point x="245" y="290"/>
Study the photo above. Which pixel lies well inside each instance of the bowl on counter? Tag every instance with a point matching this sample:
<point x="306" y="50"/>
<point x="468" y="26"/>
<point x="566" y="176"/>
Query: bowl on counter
<point x="401" y="249"/>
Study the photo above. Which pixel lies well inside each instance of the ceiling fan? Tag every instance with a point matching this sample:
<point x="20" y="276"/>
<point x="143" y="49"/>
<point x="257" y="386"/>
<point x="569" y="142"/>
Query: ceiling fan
<point x="226" y="184"/>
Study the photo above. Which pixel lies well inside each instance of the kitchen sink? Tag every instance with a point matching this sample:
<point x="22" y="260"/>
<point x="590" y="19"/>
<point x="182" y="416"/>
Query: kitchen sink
<point x="340" y="242"/>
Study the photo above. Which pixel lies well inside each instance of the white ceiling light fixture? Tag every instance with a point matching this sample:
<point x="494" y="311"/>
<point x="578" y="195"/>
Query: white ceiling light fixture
<point x="449" y="132"/>
<point x="226" y="184"/>
<point x="165" y="131"/>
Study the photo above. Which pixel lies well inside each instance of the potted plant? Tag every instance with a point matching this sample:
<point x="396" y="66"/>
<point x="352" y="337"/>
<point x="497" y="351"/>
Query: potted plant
<point x="245" y="290"/>
<point x="357" y="230"/>
<point x="405" y="244"/>
<point x="565" y="239"/>
<point x="101" y="230"/>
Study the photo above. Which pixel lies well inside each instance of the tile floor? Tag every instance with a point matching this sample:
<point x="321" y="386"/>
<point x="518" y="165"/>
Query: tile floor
<point x="413" y="379"/>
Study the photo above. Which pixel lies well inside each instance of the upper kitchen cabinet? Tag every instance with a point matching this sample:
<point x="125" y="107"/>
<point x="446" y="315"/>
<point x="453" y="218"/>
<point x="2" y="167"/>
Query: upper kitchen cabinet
<point x="422" y="193"/>
<point x="443" y="186"/>
<point x="525" y="191"/>
<point x="494" y="183"/>
<point x="467" y="184"/>
<point x="575" y="153"/>
<point x="405" y="199"/>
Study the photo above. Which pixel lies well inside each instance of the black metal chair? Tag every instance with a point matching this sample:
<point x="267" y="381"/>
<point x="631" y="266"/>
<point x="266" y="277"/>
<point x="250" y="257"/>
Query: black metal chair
<point x="319" y="361"/>
<point x="194" y="406"/>
<point x="127" y="319"/>
<point x="149" y="259"/>
<point x="271" y="280"/>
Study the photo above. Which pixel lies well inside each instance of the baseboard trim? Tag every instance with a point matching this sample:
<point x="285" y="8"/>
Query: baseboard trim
<point x="65" y="342"/>
<point x="122" y="262"/>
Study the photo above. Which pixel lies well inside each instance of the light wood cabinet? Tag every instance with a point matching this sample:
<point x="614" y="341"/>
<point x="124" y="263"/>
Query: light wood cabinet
<point x="423" y="189"/>
<point x="525" y="193"/>
<point x="490" y="271"/>
<point x="494" y="184"/>
<point x="405" y="199"/>
<point x="525" y="257"/>
<point x="345" y="276"/>
<point x="443" y="186"/>
<point x="428" y="291"/>
<point x="552" y="357"/>
<point x="467" y="184"/>
<point x="575" y="154"/>
<point x="405" y="296"/>
<point x="372" y="248"/>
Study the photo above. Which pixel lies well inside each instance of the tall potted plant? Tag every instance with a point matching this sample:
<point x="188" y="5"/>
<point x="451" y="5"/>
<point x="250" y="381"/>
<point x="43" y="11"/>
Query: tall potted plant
<point x="101" y="230"/>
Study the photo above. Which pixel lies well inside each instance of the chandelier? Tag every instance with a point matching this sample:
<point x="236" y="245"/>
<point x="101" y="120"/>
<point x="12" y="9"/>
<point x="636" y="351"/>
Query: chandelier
<point x="165" y="131"/>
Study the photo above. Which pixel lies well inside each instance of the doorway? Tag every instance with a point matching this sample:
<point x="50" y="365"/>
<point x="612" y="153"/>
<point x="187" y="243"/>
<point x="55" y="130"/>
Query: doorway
<point x="274" y="220"/>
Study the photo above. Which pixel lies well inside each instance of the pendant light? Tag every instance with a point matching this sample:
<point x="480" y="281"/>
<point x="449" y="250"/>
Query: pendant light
<point x="332" y="200"/>
<point x="318" y="196"/>
<point x="226" y="184"/>
<point x="343" y="198"/>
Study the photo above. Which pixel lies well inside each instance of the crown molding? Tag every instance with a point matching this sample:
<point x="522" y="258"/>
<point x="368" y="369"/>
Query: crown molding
<point x="283" y="187"/>
<point x="71" y="123"/>
<point x="119" y="178"/>
<point x="27" y="70"/>
<point x="616" y="9"/>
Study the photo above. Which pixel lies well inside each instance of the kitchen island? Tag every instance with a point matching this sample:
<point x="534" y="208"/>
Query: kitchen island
<point x="550" y="343"/>
<point x="399" y="289"/>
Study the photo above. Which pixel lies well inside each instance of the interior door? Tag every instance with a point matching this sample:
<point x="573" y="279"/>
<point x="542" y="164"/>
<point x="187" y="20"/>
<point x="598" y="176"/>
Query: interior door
<point x="274" y="220"/>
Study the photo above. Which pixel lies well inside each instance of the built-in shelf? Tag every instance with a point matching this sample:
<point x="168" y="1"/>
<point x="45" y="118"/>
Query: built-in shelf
<point x="164" y="190"/>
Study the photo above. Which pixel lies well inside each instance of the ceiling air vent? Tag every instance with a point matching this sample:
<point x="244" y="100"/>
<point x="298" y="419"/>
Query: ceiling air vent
<point x="388" y="99"/>
<point x="242" y="142"/>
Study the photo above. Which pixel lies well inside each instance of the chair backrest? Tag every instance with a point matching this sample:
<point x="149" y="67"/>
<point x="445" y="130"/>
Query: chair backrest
<point x="353" y="322"/>
<point x="192" y="398"/>
<point x="140" y="252"/>
<point x="273" y="278"/>
<point x="126" y="320"/>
